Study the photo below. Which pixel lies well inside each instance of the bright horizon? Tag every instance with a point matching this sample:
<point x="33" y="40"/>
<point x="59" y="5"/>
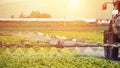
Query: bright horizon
<point x="56" y="8"/>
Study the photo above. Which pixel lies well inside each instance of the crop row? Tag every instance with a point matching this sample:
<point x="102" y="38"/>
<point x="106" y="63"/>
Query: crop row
<point x="50" y="58"/>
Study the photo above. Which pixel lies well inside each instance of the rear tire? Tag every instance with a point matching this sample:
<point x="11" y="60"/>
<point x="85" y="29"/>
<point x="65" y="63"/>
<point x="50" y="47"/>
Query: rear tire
<point x="111" y="52"/>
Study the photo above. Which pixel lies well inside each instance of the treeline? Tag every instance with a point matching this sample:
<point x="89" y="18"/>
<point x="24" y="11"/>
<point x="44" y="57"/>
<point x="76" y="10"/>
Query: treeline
<point x="33" y="14"/>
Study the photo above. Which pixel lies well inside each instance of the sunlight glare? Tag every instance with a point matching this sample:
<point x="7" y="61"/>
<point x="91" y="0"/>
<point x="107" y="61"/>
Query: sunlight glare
<point x="73" y="3"/>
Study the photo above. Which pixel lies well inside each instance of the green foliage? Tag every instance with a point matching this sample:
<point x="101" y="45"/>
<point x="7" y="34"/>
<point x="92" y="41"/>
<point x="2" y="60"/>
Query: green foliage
<point x="50" y="58"/>
<point x="88" y="36"/>
<point x="13" y="39"/>
<point x="35" y="14"/>
<point x="17" y="40"/>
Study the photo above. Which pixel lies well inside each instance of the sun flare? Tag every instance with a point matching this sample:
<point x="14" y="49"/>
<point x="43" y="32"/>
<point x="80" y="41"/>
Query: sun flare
<point x="73" y="3"/>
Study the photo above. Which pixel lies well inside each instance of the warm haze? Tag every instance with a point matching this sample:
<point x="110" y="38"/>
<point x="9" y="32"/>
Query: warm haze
<point x="56" y="8"/>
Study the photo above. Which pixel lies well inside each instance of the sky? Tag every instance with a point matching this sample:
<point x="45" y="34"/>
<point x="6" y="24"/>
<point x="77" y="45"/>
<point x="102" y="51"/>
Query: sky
<point x="56" y="8"/>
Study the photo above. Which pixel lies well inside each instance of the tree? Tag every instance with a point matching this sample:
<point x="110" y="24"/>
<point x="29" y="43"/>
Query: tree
<point x="22" y="15"/>
<point x="45" y="15"/>
<point x="12" y="16"/>
<point x="35" y="14"/>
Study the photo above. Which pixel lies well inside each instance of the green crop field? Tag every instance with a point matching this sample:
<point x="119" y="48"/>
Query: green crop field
<point x="50" y="58"/>
<point x="80" y="30"/>
<point x="88" y="36"/>
<point x="46" y="57"/>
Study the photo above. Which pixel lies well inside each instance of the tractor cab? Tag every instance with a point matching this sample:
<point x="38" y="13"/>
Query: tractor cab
<point x="116" y="3"/>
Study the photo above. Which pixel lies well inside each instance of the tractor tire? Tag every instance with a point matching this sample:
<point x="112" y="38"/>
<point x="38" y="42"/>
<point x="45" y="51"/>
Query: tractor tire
<point x="111" y="52"/>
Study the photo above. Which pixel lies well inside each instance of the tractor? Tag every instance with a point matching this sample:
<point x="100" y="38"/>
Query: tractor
<point x="112" y="35"/>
